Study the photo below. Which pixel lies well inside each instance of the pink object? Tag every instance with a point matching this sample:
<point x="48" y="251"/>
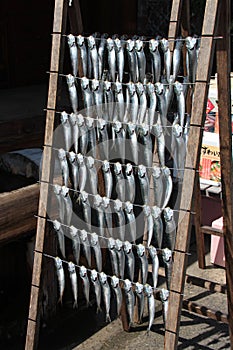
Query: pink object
<point x="217" y="254"/>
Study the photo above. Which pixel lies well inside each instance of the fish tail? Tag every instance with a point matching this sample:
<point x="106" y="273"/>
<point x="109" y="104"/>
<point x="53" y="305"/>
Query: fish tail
<point x="108" y="319"/>
<point x="75" y="304"/>
<point x="98" y="309"/>
<point x="60" y="300"/>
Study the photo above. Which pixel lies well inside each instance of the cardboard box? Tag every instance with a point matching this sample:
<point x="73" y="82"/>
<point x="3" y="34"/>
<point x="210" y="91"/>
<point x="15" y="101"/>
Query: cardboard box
<point x="217" y="253"/>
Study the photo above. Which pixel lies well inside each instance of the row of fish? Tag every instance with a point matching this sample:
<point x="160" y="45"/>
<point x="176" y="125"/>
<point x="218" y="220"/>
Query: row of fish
<point x="103" y="291"/>
<point x="101" y="55"/>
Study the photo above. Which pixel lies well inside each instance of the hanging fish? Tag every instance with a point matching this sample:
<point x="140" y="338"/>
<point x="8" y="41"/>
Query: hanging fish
<point x="118" y="140"/>
<point x="111" y="59"/>
<point x="162" y="106"/>
<point x="103" y="142"/>
<point x="86" y="246"/>
<point x="86" y="283"/>
<point x="155" y="265"/>
<point x="113" y="255"/>
<point x="97" y="205"/>
<point x="158" y="131"/>
<point x="133" y="102"/>
<point x="67" y="205"/>
<point x="119" y="102"/>
<point x="70" y="79"/>
<point x="97" y="288"/>
<point x="87" y="93"/>
<point x="146" y="153"/>
<point x="86" y="209"/>
<point x="117" y="290"/>
<point x="73" y="53"/>
<point x="94" y="56"/>
<point x="151" y="305"/>
<point x="83" y="135"/>
<point x="130" y="300"/>
<point x="107" y="214"/>
<point x="82" y="172"/>
<point x="168" y="186"/>
<point x="63" y="165"/>
<point x="152" y="105"/>
<point x="98" y="97"/>
<point x="74" y="282"/>
<point x="178" y="88"/>
<point x="106" y="294"/>
<point x="157" y="226"/>
<point x="180" y="151"/>
<point x="120" y="220"/>
<point x="144" y="184"/>
<point x="176" y="58"/>
<point x="141" y="59"/>
<point x="141" y="251"/>
<point x="83" y="54"/>
<point x="75" y="132"/>
<point x="141" y="300"/>
<point x="170" y="228"/>
<point x="108" y="180"/>
<point x="131" y="222"/>
<point x="108" y="101"/>
<point x="130" y="260"/>
<point x="186" y="131"/>
<point x="164" y="296"/>
<point x="61" y="277"/>
<point x="92" y="176"/>
<point x="74" y="169"/>
<point x="119" y="46"/>
<point x="101" y="54"/>
<point x="130" y="187"/>
<point x="149" y="223"/>
<point x="73" y="231"/>
<point x="167" y="57"/>
<point x="97" y="251"/>
<point x="155" y="59"/>
<point x="61" y="209"/>
<point x="167" y="259"/>
<point x="133" y="143"/>
<point x="157" y="177"/>
<point x="132" y="60"/>
<point x="127" y="116"/>
<point x="91" y="148"/>
<point x="121" y="257"/>
<point x="120" y="181"/>
<point x="142" y="102"/>
<point x="66" y="125"/>
<point x="60" y="236"/>
<point x="191" y="59"/>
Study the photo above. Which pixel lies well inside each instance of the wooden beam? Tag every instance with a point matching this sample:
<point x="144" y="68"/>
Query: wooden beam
<point x="225" y="134"/>
<point x="209" y="285"/>
<point x="174" y="24"/>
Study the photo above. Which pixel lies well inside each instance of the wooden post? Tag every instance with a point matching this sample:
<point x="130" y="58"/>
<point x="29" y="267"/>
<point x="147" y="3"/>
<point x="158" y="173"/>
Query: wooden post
<point x="225" y="134"/>
<point x="174" y="22"/>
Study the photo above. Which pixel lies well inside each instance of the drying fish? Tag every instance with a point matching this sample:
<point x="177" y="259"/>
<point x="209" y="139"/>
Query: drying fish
<point x="101" y="54"/>
<point x="107" y="213"/>
<point x="111" y="59"/>
<point x="74" y="282"/>
<point x="191" y="58"/>
<point x="120" y="104"/>
<point x="149" y="223"/>
<point x="170" y="228"/>
<point x="60" y="276"/>
<point x="127" y="117"/>
<point x="66" y="123"/>
<point x="120" y="256"/>
<point x="83" y="134"/>
<point x="73" y="53"/>
<point x="117" y="290"/>
<point x="180" y="151"/>
<point x="97" y="251"/>
<point x="130" y="260"/>
<point x="152" y="106"/>
<point x="146" y="153"/>
<point x="86" y="246"/>
<point x="91" y="149"/>
<point x="60" y="235"/>
<point x="64" y="165"/>
<point x="103" y="138"/>
<point x="151" y="305"/>
<point x="97" y="205"/>
<point x="158" y="226"/>
<point x="119" y="46"/>
<point x="162" y="106"/>
<point x="176" y="58"/>
<point x="68" y="206"/>
<point x="106" y="294"/>
<point x="75" y="132"/>
<point x="164" y="296"/>
<point x="157" y="177"/>
<point x="186" y="130"/>
<point x="141" y="59"/>
<point x="86" y="283"/>
<point x="113" y="256"/>
<point x="142" y="102"/>
<point x="97" y="288"/>
<point x="132" y="60"/>
<point x="144" y="184"/>
<point x="91" y="175"/>
<point x="155" y="265"/>
<point x="120" y="227"/>
<point x="157" y="130"/>
<point x="130" y="300"/>
<point x="120" y="181"/>
<point x="167" y="259"/>
<point x="130" y="187"/>
<point x="108" y="101"/>
<point x="141" y="300"/>
<point x="83" y="54"/>
<point x="98" y="97"/>
<point x="167" y="57"/>
<point x="133" y="102"/>
<point x="88" y="96"/>
<point x="75" y="243"/>
<point x="168" y="186"/>
<point x="74" y="169"/>
<point x="82" y="172"/>
<point x="86" y="208"/>
<point x="94" y="56"/>
<point x="108" y="180"/>
<point x="72" y="92"/>
<point x="156" y="59"/>
<point x="131" y="132"/>
<point x="118" y="140"/>
<point x="141" y="251"/>
<point x="131" y="222"/>
<point x="61" y="209"/>
<point x="178" y="88"/>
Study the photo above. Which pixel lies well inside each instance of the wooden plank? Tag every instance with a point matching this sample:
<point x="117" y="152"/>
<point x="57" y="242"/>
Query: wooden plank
<point x="200" y="241"/>
<point x="211" y="231"/>
<point x="209" y="285"/>
<point x="225" y="134"/>
<point x="174" y="22"/>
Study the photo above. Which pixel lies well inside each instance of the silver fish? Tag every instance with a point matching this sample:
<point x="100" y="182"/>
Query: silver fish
<point x="191" y="58"/>
<point x="61" y="277"/>
<point x="74" y="169"/>
<point x="106" y="294"/>
<point x="117" y="290"/>
<point x="132" y="60"/>
<point x="144" y="183"/>
<point x="146" y="152"/>
<point x="149" y="223"/>
<point x="86" y="283"/>
<point x="186" y="130"/>
<point x="130" y="187"/>
<point x="178" y="88"/>
<point x="90" y="123"/>
<point x="103" y="138"/>
<point x="86" y="208"/>
<point x="131" y="222"/>
<point x="66" y="125"/>
<point x="170" y="228"/>
<point x="155" y="265"/>
<point x="68" y="205"/>
<point x="73" y="53"/>
<point x="108" y="180"/>
<point x="113" y="255"/>
<point x="120" y="227"/>
<point x="133" y="102"/>
<point x="152" y="106"/>
<point x="64" y="165"/>
<point x="142" y="102"/>
<point x="141" y="251"/>
<point x="158" y="226"/>
<point x="167" y="57"/>
<point x="176" y="58"/>
<point x="120" y="181"/>
<point x="72" y="92"/>
<point x="157" y="177"/>
<point x="141" y="299"/>
<point x="121" y="257"/>
<point x="94" y="56"/>
<point x="164" y="296"/>
<point x="98" y="97"/>
<point x="119" y="46"/>
<point x="97" y="288"/>
<point x="130" y="260"/>
<point x="87" y="93"/>
<point x="111" y="59"/>
<point x="133" y="152"/>
<point x="107" y="214"/>
<point x="130" y="300"/>
<point x="86" y="246"/>
<point x="158" y="131"/>
<point x="83" y="53"/>
<point x="82" y="171"/>
<point x="97" y="251"/>
<point x="141" y="59"/>
<point x="73" y="231"/>
<point x="97" y="205"/>
<point x="167" y="259"/>
<point x="83" y="132"/>
<point x="168" y="186"/>
<point x="162" y="106"/>
<point x="120" y="104"/>
<point x="91" y="175"/>
<point x="108" y="101"/>
<point x="60" y="236"/>
<point x="151" y="305"/>
<point x="156" y="59"/>
<point x="74" y="282"/>
<point x="127" y="116"/>
<point x="61" y="209"/>
<point x="180" y="151"/>
<point x="75" y="131"/>
<point x="101" y="53"/>
<point x="118" y="140"/>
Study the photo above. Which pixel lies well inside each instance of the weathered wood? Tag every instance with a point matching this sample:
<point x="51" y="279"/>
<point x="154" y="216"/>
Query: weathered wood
<point x="200" y="241"/>
<point x="225" y="134"/>
<point x="209" y="285"/>
<point x="18" y="222"/>
<point x="174" y="24"/>
<point x="211" y="231"/>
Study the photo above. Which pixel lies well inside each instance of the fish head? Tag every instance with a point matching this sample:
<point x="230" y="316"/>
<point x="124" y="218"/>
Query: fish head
<point x="90" y="162"/>
<point x="156" y="171"/>
<point x="83" y="235"/>
<point x="152" y="251"/>
<point x="139" y="45"/>
<point x="101" y="123"/>
<point x="90" y="122"/>
<point x="114" y="281"/>
<point x="56" y="225"/>
<point x="84" y="83"/>
<point x="91" y="42"/>
<point x="148" y="290"/>
<point x="94" y="275"/>
<point x="190" y="42"/>
<point x="80" y="159"/>
<point x="94" y="239"/>
<point x="153" y="45"/>
<point x="141" y="170"/>
<point x="144" y="130"/>
<point x="139" y="288"/>
<point x="128" y="169"/>
<point x="58" y="263"/>
<point x="83" y="271"/>
<point x="168" y="214"/>
<point x="130" y="44"/>
<point x="127" y="247"/>
<point x="131" y="88"/>
<point x="128" y="207"/>
<point x="71" y="267"/>
<point x="118" y="44"/>
<point x="110" y="44"/>
<point x="127" y="285"/>
<point x="119" y="244"/>
<point x="103" y="277"/>
<point x="73" y="118"/>
<point x="178" y="87"/>
<point x="84" y="196"/>
<point x="117" y="126"/>
<point x="107" y="85"/>
<point x="166" y="171"/>
<point x="95" y="84"/>
<point x="72" y="156"/>
<point x="97" y="200"/>
<point x="80" y="119"/>
<point x="117" y="168"/>
<point x="164" y="294"/>
<point x="159" y="88"/>
<point x="64" y="191"/>
<point x="164" y="44"/>
<point x="64" y="117"/>
<point x="111" y="243"/>
<point x="105" y="202"/>
<point x="131" y="128"/>
<point x="61" y="154"/>
<point x="157" y="129"/>
<point x="156" y="212"/>
<point x="117" y="205"/>
<point x="140" y="88"/>
<point x="106" y="166"/>
<point x="71" y="40"/>
<point x="146" y="210"/>
<point x="177" y="130"/>
<point x="80" y="40"/>
<point x="73" y="231"/>
<point x="57" y="189"/>
<point x="70" y="80"/>
<point x="150" y="88"/>
<point x="141" y="249"/>
<point x="167" y="254"/>
<point x="118" y="87"/>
